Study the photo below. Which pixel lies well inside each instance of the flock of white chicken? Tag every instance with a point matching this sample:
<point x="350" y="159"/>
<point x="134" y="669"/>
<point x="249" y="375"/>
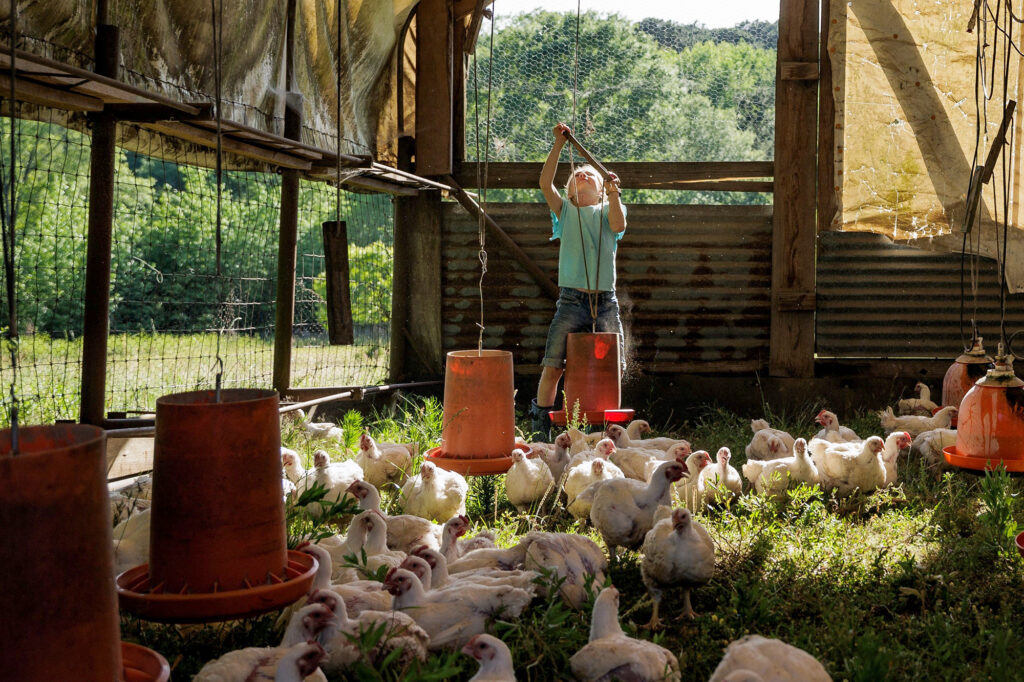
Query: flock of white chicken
<point x="442" y="591"/>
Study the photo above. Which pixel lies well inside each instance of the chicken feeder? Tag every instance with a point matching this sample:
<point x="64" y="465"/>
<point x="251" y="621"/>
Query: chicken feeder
<point x="60" y="611"/>
<point x="593" y="377"/>
<point x="991" y="421"/>
<point x="478" y="435"/>
<point x="143" y="665"/>
<point x="963" y="373"/>
<point x="217" y="533"/>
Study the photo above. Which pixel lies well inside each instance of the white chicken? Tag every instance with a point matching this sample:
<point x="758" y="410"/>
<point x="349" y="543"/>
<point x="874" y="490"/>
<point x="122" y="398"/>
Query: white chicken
<point x="762" y="425"/>
<point x="336" y="477"/>
<point x="579" y="484"/>
<point x="131" y="542"/>
<point x="688" y="488"/>
<point x="435" y="494"/>
<point x="321" y="430"/>
<point x="636" y="429"/>
<point x="894" y="444"/>
<point x="340" y="639"/>
<point x="405" y="531"/>
<point x="558" y="457"/>
<point x="719" y="482"/>
<point x="765" y="445"/>
<point x="915" y="425"/>
<point x="769" y="660"/>
<point x="527" y="480"/>
<point x="604" y="449"/>
<point x="358" y="595"/>
<point x="294" y="660"/>
<point x="367" y="533"/>
<point x="635" y="462"/>
<point x="494" y="658"/>
<point x="922" y="405"/>
<point x="623" y="509"/>
<point x="846" y="467"/>
<point x="572" y="557"/>
<point x="928" y="445"/>
<point x="611" y="655"/>
<point x="454" y="528"/>
<point x="622" y="439"/>
<point x="431" y="568"/>
<point x="832" y="431"/>
<point x="773" y="476"/>
<point x="381" y="465"/>
<point x="291" y="463"/>
<point x="677" y="552"/>
<point x="453" y="617"/>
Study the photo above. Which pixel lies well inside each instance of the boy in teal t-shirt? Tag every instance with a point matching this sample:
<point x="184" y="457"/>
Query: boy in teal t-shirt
<point x="589" y="222"/>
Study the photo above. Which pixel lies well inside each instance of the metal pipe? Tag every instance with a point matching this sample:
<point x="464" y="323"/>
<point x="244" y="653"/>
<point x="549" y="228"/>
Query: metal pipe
<point x="99" y="239"/>
<point x="381" y="168"/>
<point x="286" y="253"/>
<point x="587" y="155"/>
<point x="357" y="393"/>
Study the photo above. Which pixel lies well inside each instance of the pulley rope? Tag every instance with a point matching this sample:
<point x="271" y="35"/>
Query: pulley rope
<point x="8" y="224"/>
<point x="482" y="183"/>
<point x="218" y="27"/>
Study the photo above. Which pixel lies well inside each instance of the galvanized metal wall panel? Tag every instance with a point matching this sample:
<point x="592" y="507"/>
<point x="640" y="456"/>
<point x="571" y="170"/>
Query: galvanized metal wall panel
<point x="876" y="299"/>
<point x="693" y="282"/>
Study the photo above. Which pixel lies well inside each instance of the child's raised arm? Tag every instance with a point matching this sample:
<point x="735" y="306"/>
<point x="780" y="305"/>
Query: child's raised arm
<point x="547" y="173"/>
<point x="616" y="217"/>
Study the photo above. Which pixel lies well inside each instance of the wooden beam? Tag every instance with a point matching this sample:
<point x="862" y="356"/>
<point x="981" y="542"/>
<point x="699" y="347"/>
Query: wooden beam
<point x="373" y="184"/>
<point x="339" y="299"/>
<point x="722" y="175"/>
<point x="791" y="352"/>
<point x="207" y="138"/>
<point x="475" y="19"/>
<point x="828" y="192"/>
<point x="798" y="71"/>
<point x="418" y="268"/>
<point x="151" y="112"/>
<point x="434" y="87"/>
<point x="284" y="312"/>
<point x="48" y="96"/>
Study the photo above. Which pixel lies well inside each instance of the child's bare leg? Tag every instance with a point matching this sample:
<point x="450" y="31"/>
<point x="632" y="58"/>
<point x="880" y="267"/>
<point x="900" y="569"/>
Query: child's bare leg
<point x="547" y="389"/>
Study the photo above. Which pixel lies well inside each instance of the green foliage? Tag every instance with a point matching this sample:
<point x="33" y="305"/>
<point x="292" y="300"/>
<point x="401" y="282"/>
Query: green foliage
<point x="997" y="518"/>
<point x="309" y="518"/>
<point x="371" y="266"/>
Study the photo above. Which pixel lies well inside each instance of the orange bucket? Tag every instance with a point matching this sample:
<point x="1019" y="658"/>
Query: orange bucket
<point x="217" y="521"/>
<point x="990" y="427"/>
<point x="592" y="372"/>
<point x="60" y="617"/>
<point x="964" y="373"/>
<point x="479" y="412"/>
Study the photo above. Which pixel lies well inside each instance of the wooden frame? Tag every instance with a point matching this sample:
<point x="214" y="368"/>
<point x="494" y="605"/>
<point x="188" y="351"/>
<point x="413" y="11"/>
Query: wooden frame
<point x="339" y="299"/>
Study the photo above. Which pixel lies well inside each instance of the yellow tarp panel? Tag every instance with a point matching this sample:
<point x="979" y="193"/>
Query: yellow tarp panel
<point x="904" y="87"/>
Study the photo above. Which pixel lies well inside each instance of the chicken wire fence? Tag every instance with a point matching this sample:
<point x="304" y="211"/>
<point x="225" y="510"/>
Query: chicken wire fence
<point x="648" y="90"/>
<point x="170" y="307"/>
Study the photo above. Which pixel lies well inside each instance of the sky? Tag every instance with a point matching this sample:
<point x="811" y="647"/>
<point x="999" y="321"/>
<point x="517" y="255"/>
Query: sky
<point x="713" y="13"/>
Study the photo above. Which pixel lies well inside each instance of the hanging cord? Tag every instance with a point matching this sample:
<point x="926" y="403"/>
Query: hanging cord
<point x="337" y="186"/>
<point x="1007" y="42"/>
<point x="8" y="226"/>
<point x="482" y="183"/>
<point x="218" y="27"/>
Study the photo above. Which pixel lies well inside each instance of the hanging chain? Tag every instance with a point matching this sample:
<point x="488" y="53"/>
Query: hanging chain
<point x="9" y="218"/>
<point x="218" y="27"/>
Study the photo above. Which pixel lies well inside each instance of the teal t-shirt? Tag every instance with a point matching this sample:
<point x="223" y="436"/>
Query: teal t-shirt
<point x="573" y="271"/>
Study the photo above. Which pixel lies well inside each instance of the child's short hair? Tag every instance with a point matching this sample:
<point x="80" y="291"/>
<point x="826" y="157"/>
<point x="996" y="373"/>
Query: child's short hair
<point x="572" y="176"/>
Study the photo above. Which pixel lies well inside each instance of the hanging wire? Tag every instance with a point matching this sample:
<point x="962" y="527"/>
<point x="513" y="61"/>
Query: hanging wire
<point x="482" y="184"/>
<point x="337" y="186"/>
<point x="218" y="27"/>
<point x="9" y="218"/>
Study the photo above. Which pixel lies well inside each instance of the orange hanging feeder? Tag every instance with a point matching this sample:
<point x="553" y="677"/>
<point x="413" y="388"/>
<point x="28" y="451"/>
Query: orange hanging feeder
<point x="593" y="379"/>
<point x="964" y="373"/>
<point x="990" y="430"/>
<point x="218" y="542"/>
<point x="478" y="435"/>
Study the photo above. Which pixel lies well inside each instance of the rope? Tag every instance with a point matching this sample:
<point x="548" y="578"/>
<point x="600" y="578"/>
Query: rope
<point x="482" y="184"/>
<point x="8" y="226"/>
<point x="337" y="186"/>
<point x="218" y="27"/>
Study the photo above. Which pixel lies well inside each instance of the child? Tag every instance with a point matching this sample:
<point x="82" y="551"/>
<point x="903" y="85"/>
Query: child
<point x="590" y="224"/>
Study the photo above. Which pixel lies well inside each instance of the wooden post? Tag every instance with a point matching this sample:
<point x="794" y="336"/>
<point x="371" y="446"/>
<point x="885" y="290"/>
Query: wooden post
<point x="286" y="255"/>
<point x="339" y="300"/>
<point x="827" y="200"/>
<point x="400" y="270"/>
<point x="434" y="87"/>
<point x="791" y="351"/>
<point x="98" y="243"/>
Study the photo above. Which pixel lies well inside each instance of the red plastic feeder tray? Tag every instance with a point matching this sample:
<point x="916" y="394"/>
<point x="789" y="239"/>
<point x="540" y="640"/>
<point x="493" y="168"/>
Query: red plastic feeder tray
<point x="1020" y="543"/>
<point x="140" y="664"/>
<point x="476" y="466"/>
<point x="137" y="595"/>
<point x="620" y="416"/>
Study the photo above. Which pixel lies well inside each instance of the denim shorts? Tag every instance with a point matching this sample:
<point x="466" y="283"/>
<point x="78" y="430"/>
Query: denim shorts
<point x="572" y="314"/>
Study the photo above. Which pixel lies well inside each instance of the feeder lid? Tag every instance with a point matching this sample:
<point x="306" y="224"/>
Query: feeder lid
<point x="1002" y="374"/>
<point x="976" y="355"/>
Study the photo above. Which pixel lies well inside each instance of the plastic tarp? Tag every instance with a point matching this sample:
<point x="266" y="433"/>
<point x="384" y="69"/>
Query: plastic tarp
<point x="906" y="126"/>
<point x="168" y="47"/>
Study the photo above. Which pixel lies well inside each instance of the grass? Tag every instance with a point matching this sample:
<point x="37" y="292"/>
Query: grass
<point x="142" y="367"/>
<point x="917" y="582"/>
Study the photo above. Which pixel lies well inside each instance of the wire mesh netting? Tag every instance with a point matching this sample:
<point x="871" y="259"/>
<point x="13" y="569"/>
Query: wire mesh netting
<point x="170" y="310"/>
<point x="648" y="90"/>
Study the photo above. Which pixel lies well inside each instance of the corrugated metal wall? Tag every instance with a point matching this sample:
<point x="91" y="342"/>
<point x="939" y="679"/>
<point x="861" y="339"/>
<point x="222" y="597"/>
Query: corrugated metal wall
<point x="876" y="299"/>
<point x="694" y="286"/>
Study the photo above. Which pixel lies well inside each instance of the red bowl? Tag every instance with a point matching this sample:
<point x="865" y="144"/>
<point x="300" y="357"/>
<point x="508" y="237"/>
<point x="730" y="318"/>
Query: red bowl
<point x="475" y="466"/>
<point x="143" y="665"/>
<point x="1020" y="542"/>
<point x="595" y="417"/>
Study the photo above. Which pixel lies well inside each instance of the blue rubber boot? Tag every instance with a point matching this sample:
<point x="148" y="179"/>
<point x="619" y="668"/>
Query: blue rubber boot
<point x="540" y="420"/>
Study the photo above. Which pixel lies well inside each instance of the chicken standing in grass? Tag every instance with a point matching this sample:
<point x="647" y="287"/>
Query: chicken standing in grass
<point x="622" y="439"/>
<point x="832" y="431"/>
<point x="762" y="425"/>
<point x="558" y="458"/>
<point x="846" y="467"/>
<point x="914" y="425"/>
<point x="754" y="658"/>
<point x="381" y="465"/>
<point x="922" y="405"/>
<point x="435" y="494"/>
<point x="579" y="484"/>
<point x="296" y="659"/>
<point x="527" y="480"/>
<point x="405" y="531"/>
<point x="677" y="552"/>
<point x="494" y="658"/>
<point x="688" y="488"/>
<point x="929" y="445"/>
<point x="358" y="595"/>
<point x="774" y="476"/>
<point x="437" y="577"/>
<point x="895" y="443"/>
<point x="367" y="533"/>
<point x="454" y="528"/>
<point x="336" y="477"/>
<point x="572" y="557"/>
<point x="611" y="655"/>
<point x="765" y="445"/>
<point x="623" y="509"/>
<point x="720" y="482"/>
